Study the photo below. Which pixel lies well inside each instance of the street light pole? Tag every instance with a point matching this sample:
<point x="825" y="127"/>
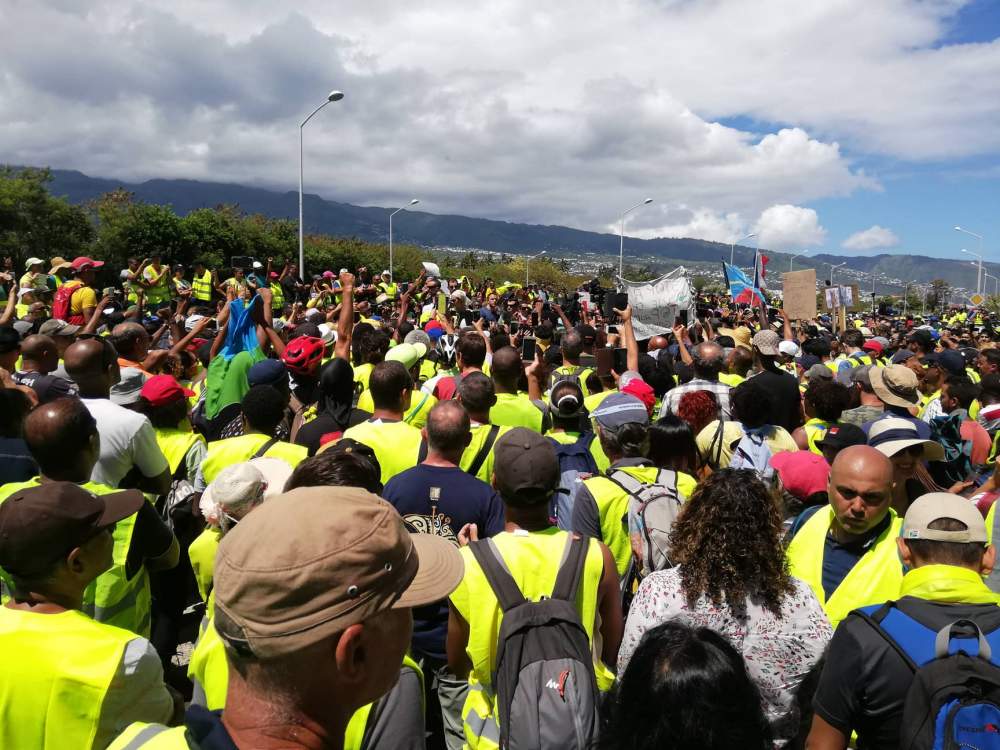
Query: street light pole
<point x="333" y="96"/>
<point x="791" y="260"/>
<point x="979" y="275"/>
<point x="834" y="268"/>
<point x="527" y="262"/>
<point x="414" y="202"/>
<point x="732" y="246"/>
<point x="621" y="236"/>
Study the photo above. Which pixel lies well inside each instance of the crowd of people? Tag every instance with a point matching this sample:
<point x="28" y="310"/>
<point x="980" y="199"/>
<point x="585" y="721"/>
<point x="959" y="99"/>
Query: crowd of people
<point x="278" y="511"/>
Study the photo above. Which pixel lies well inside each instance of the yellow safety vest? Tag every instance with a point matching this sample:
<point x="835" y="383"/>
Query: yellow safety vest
<point x="388" y="289"/>
<point x="731" y="379"/>
<point x="277" y="297"/>
<point x="874" y="579"/>
<point x="518" y="410"/>
<point x="201" y="553"/>
<point x="567" y="438"/>
<point x="111" y="598"/>
<point x="361" y="375"/>
<point x="816" y="429"/>
<point x="234" y="450"/>
<point x="175" y="444"/>
<point x="420" y="407"/>
<point x="612" y="508"/>
<point x="581" y="373"/>
<point x="160" y="291"/>
<point x="533" y="562"/>
<point x="55" y="678"/>
<point x="201" y="287"/>
<point x="396" y="445"/>
<point x="479" y="435"/>
<point x="925" y="401"/>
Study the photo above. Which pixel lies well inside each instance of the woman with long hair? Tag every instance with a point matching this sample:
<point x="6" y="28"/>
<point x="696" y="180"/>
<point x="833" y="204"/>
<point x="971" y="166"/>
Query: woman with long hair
<point x="731" y="576"/>
<point x="686" y="687"/>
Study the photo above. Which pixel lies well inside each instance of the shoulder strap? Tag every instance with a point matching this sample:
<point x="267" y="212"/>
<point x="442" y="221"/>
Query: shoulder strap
<point x="484" y="451"/>
<point x="571" y="570"/>
<point x="874" y="620"/>
<point x="718" y="437"/>
<point x="264" y="448"/>
<point x="504" y="586"/>
<point x="626" y="481"/>
<point x="546" y="415"/>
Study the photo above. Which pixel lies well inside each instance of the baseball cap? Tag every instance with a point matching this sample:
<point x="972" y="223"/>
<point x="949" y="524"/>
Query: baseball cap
<point x="525" y="466"/>
<point x="841" y="436"/>
<point x="33" y="262"/>
<point x="257" y="264"/>
<point x="406" y="354"/>
<point x="643" y="391"/>
<point x="896" y="385"/>
<point x="161" y="390"/>
<point x="802" y="473"/>
<point x="788" y="348"/>
<point x="806" y="361"/>
<point x="767" y="342"/>
<point x="386" y="272"/>
<point x="328" y="274"/>
<point x="861" y="374"/>
<point x="267" y="372"/>
<point x="417" y="336"/>
<point x="922" y="337"/>
<point x="23" y="327"/>
<point x="56" y="327"/>
<point x="890" y="435"/>
<point x="949" y="360"/>
<point x="902" y="356"/>
<point x="346" y="557"/>
<point x="819" y="371"/>
<point x="83" y="262"/>
<point x="935" y="506"/>
<point x="192" y="320"/>
<point x="127" y="390"/>
<point x="618" y="409"/>
<point x="39" y="525"/>
<point x="873" y="346"/>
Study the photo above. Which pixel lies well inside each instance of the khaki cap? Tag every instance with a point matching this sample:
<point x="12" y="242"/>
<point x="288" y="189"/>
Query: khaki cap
<point x="934" y="506"/>
<point x="896" y="385"/>
<point x="314" y="561"/>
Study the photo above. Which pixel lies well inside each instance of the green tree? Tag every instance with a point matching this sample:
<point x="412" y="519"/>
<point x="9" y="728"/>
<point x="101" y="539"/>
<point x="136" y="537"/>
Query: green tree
<point x="33" y="222"/>
<point x="126" y="228"/>
<point x="938" y="294"/>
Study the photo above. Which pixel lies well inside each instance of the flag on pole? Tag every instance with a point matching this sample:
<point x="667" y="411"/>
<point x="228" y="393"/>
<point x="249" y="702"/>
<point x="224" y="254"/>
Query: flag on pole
<point x="741" y="289"/>
<point x="760" y="279"/>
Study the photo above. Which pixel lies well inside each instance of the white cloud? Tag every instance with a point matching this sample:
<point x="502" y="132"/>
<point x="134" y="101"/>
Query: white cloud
<point x="875" y="237"/>
<point x="784" y="227"/>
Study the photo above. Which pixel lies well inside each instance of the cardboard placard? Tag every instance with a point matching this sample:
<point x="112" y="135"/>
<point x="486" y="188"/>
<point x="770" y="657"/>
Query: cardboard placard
<point x="799" y="294"/>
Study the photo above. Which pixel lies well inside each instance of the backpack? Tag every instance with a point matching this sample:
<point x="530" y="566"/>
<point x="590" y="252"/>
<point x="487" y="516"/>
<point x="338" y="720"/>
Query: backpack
<point x="546" y="691"/>
<point x="578" y="376"/>
<point x="61" y="301"/>
<point x="753" y="452"/>
<point x="957" y="463"/>
<point x="954" y="698"/>
<point x="652" y="510"/>
<point x="576" y="463"/>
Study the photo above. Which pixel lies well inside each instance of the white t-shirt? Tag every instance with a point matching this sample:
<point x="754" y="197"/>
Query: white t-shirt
<point x="127" y="440"/>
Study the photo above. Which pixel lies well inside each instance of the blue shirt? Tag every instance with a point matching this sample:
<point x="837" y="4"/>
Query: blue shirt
<point x="460" y="499"/>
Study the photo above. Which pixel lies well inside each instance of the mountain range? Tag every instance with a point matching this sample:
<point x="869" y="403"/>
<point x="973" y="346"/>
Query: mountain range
<point x="371" y="223"/>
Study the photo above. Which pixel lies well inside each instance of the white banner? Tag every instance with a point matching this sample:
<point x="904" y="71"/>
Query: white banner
<point x="657" y="304"/>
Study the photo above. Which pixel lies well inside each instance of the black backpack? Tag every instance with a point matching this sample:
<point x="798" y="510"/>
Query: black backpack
<point x="546" y="691"/>
<point x="954" y="698"/>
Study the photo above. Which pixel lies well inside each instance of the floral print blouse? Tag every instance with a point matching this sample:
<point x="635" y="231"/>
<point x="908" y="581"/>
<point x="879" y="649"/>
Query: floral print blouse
<point x="779" y="651"/>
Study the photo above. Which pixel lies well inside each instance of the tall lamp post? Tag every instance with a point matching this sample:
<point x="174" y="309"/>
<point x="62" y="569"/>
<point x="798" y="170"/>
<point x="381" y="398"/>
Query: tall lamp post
<point x="621" y="235"/>
<point x="790" y="260"/>
<point x="527" y="261"/>
<point x="414" y="202"/>
<point x="834" y="268"/>
<point x="333" y="96"/>
<point x="979" y="266"/>
<point x="996" y="282"/>
<point x="732" y="246"/>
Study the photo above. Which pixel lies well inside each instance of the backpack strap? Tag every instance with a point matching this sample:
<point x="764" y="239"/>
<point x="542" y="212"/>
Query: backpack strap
<point x="504" y="587"/>
<point x="626" y="481"/>
<point x="715" y="457"/>
<point x="546" y="414"/>
<point x="571" y="569"/>
<point x="264" y="448"/>
<point x="484" y="451"/>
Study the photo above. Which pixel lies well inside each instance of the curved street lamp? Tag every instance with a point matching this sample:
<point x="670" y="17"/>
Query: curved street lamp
<point x="621" y="234"/>
<point x="333" y="96"/>
<point x="414" y="202"/>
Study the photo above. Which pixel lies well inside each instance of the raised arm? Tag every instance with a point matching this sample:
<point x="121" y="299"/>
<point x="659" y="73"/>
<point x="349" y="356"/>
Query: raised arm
<point x="679" y="333"/>
<point x="345" y="323"/>
<point x="631" y="345"/>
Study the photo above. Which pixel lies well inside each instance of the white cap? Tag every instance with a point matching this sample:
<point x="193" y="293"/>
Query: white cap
<point x="386" y="272"/>
<point x="327" y="332"/>
<point x="192" y="320"/>
<point x="258" y="264"/>
<point x="935" y="506"/>
<point x="789" y="347"/>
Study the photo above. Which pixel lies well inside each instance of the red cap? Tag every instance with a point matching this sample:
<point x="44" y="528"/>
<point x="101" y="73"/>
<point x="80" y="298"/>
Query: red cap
<point x="641" y="390"/>
<point x="873" y="346"/>
<point x="432" y="324"/>
<point x="161" y="390"/>
<point x="83" y="262"/>
<point x="274" y="275"/>
<point x="802" y="473"/>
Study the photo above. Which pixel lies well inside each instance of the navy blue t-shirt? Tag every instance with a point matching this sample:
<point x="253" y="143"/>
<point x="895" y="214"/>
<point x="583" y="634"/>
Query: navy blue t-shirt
<point x="460" y="499"/>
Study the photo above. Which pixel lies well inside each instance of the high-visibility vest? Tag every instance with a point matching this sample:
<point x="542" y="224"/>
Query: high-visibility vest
<point x="55" y="678"/>
<point x="815" y="429"/>
<point x="175" y="444"/>
<point x="361" y="375"/>
<point x="235" y="450"/>
<point x="396" y="445"/>
<point x="533" y="561"/>
<point x="388" y="289"/>
<point x="277" y="297"/>
<point x="111" y="598"/>
<point x="612" y="510"/>
<point x="731" y="379"/>
<point x="925" y="401"/>
<point x="201" y="553"/>
<point x="596" y="451"/>
<point x="516" y="410"/>
<point x="201" y="287"/>
<point x="160" y="291"/>
<point x="874" y="579"/>
<point x="480" y="433"/>
<point x="568" y="371"/>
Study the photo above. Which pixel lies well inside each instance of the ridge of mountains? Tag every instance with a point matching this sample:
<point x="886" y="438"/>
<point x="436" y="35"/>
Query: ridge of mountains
<point x="371" y="223"/>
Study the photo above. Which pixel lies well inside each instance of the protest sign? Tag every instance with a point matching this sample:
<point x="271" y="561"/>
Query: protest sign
<point x="657" y="304"/>
<point x="799" y="294"/>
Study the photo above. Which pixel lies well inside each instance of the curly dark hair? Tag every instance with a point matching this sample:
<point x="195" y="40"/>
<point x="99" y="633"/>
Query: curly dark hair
<point x="698" y="409"/>
<point x="727" y="544"/>
<point x="828" y="398"/>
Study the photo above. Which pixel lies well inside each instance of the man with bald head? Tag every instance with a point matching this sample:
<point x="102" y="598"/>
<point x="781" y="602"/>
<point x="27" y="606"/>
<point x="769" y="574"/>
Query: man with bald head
<point x="846" y="551"/>
<point x="63" y="439"/>
<point x="656" y="343"/>
<point x="132" y="342"/>
<point x="130" y="455"/>
<point x="39" y="357"/>
<point x="709" y="361"/>
<point x="513" y="407"/>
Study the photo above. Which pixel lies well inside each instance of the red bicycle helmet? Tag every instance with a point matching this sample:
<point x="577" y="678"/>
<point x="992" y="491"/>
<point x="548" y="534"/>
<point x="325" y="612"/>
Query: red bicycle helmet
<point x="303" y="355"/>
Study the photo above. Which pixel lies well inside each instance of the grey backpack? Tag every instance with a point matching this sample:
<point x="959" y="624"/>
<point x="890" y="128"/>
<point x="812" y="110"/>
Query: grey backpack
<point x="652" y="510"/>
<point x="546" y="692"/>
